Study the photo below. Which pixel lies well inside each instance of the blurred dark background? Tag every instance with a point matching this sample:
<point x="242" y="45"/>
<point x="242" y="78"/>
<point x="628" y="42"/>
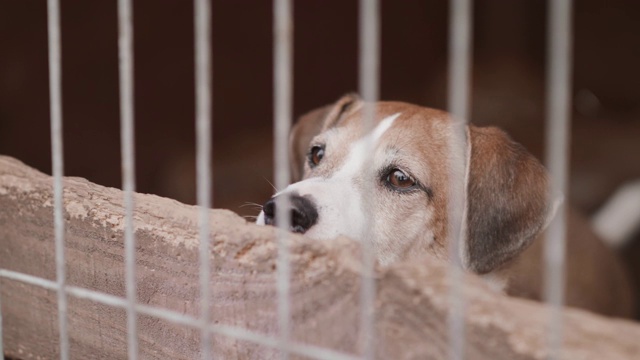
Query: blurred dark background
<point x="508" y="85"/>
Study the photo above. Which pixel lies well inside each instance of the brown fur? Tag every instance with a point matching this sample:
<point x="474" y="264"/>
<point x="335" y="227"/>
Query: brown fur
<point x="507" y="202"/>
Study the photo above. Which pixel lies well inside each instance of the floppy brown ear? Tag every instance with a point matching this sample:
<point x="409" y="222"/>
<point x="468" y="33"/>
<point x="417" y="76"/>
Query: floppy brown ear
<point x="311" y="124"/>
<point x="507" y="199"/>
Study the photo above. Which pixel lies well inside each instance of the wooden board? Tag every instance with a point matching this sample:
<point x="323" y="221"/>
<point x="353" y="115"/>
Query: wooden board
<point x="411" y="299"/>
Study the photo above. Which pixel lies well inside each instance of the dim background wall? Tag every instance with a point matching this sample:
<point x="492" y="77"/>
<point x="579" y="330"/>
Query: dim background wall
<point x="508" y="85"/>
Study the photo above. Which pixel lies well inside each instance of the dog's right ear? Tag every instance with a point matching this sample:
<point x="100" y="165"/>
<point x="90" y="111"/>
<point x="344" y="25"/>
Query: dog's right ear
<point x="311" y="124"/>
<point x="508" y="200"/>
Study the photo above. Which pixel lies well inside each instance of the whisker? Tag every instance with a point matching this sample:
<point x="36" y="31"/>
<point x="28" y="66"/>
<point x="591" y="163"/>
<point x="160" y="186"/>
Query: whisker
<point x="255" y="205"/>
<point x="273" y="186"/>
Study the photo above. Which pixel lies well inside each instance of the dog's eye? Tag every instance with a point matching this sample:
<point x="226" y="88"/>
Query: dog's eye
<point x="315" y="155"/>
<point x="399" y="179"/>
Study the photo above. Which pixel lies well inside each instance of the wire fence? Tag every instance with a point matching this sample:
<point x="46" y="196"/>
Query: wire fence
<point x="283" y="82"/>
<point x="369" y="86"/>
<point x="460" y="25"/>
<point x="559" y="69"/>
<point x="55" y="93"/>
<point x="557" y="160"/>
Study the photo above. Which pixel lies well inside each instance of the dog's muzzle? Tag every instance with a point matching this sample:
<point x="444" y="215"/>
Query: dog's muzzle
<point x="303" y="213"/>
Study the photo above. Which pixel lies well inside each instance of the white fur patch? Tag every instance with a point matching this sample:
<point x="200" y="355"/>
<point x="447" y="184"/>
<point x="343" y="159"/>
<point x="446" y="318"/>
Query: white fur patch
<point x="360" y="151"/>
<point x="496" y="282"/>
<point x="339" y="201"/>
<point x="260" y="219"/>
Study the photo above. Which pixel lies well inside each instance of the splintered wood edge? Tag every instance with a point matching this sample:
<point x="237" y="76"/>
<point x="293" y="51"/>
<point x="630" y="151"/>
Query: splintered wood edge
<point x="412" y="298"/>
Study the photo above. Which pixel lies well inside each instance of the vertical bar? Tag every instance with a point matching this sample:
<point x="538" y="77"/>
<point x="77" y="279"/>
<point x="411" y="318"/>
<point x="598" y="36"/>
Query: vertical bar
<point x="283" y="74"/>
<point x="460" y="27"/>
<point x="369" y="85"/>
<point x="125" y="51"/>
<point x="55" y="103"/>
<point x="202" y="13"/>
<point x="1" y="336"/>
<point x="557" y="157"/>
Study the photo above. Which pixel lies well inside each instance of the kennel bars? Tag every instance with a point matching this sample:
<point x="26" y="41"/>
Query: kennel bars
<point x="558" y="116"/>
<point x="55" y="103"/>
<point x="282" y="107"/>
<point x="558" y="105"/>
<point x="460" y="25"/>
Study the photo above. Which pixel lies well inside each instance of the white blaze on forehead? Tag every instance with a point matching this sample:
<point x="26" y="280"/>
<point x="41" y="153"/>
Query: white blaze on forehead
<point x="360" y="150"/>
<point x="384" y="125"/>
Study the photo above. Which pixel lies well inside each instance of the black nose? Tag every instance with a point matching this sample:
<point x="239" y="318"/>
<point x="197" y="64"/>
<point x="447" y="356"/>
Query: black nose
<point x="303" y="213"/>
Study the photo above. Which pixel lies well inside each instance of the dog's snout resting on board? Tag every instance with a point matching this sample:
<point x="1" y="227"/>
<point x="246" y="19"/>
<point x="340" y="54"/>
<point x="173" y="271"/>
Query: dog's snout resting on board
<point x="390" y="183"/>
<point x="303" y="213"/>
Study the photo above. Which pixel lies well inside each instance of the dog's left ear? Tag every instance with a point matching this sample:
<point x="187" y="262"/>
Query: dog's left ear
<point x="507" y="200"/>
<point x="311" y="124"/>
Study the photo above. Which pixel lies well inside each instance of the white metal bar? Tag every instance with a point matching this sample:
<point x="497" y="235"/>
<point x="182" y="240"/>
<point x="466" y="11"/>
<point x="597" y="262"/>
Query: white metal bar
<point x="31" y="280"/>
<point x="1" y="336"/>
<point x="57" y="160"/>
<point x="369" y="52"/>
<point x="202" y="22"/>
<point x="239" y="333"/>
<point x="369" y="85"/>
<point x="559" y="44"/>
<point x="283" y="76"/>
<point x="460" y="34"/>
<point x="125" y="52"/>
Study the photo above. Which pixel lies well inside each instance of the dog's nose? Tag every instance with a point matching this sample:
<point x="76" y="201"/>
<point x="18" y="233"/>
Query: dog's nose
<point x="303" y="213"/>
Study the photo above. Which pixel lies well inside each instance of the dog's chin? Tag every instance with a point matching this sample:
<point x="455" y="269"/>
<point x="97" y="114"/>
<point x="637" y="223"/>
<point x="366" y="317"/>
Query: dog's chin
<point x="320" y="232"/>
<point x="316" y="232"/>
<point x="260" y="220"/>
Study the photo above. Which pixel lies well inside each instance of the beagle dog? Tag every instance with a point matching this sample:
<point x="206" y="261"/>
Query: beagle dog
<point x="389" y="182"/>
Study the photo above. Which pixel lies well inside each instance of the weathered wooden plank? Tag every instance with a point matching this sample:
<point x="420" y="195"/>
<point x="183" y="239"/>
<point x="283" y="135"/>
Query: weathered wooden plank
<point x="411" y="303"/>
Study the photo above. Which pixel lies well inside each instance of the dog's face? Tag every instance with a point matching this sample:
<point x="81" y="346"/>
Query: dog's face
<point x="390" y="183"/>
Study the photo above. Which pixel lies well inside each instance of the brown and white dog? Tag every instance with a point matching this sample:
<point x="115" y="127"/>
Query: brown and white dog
<point x="399" y="173"/>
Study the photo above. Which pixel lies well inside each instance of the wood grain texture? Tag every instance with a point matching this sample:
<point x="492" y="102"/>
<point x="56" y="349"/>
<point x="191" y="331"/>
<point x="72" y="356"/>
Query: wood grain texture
<point x="411" y="303"/>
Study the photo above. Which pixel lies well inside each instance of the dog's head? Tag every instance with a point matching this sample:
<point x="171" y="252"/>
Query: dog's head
<point x="391" y="185"/>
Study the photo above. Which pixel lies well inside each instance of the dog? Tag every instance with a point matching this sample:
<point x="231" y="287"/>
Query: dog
<point x="390" y="185"/>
